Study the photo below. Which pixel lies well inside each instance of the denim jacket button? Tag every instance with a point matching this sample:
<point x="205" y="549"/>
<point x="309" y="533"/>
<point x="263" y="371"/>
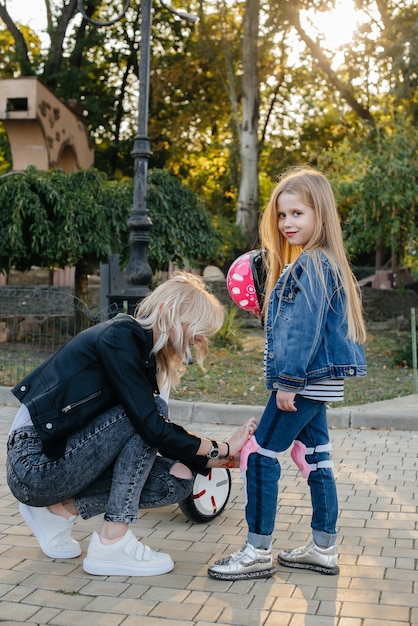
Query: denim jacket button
<point x="275" y="385"/>
<point x="271" y="355"/>
<point x="23" y="388"/>
<point x="48" y="425"/>
<point x="351" y="371"/>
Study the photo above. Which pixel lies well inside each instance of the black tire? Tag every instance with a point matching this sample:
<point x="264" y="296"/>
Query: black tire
<point x="209" y="496"/>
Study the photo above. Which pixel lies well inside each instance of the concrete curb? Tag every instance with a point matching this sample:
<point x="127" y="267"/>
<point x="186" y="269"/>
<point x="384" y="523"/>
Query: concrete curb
<point x="397" y="414"/>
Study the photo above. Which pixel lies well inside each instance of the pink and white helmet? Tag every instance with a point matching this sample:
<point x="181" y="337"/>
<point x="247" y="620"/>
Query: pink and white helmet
<point x="243" y="281"/>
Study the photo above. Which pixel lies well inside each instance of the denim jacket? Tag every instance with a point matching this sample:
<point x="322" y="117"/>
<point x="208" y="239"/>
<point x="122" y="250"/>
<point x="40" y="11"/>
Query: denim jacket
<point x="306" y="330"/>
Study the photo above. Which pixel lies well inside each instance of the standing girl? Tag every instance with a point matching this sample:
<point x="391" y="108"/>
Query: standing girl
<point x="314" y="336"/>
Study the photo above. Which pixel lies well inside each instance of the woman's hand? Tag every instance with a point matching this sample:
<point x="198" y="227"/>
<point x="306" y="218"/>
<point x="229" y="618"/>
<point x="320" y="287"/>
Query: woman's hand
<point x="236" y="442"/>
<point x="241" y="436"/>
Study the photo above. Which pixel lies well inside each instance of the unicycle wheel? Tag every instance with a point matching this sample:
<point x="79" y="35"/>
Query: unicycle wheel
<point x="209" y="496"/>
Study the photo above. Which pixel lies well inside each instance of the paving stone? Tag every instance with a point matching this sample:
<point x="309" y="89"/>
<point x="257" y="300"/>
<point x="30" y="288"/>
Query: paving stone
<point x="377" y="483"/>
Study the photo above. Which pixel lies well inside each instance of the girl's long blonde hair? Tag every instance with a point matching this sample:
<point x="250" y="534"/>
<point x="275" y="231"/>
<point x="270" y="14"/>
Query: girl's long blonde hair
<point x="313" y="189"/>
<point x="183" y="313"/>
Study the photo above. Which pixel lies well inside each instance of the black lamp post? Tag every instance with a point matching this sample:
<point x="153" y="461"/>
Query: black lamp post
<point x="138" y="273"/>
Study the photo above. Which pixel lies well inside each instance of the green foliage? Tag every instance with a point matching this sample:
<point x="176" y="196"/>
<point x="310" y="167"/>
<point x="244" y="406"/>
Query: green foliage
<point x="195" y="91"/>
<point x="193" y="128"/>
<point x="182" y="232"/>
<point x="361" y="272"/>
<point x="403" y="351"/>
<point x="27" y="221"/>
<point x="55" y="218"/>
<point x="233" y="243"/>
<point x="230" y="334"/>
<point x="376" y="184"/>
<point x="5" y="155"/>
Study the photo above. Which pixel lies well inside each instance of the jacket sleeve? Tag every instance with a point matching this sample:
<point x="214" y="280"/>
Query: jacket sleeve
<point x="122" y="351"/>
<point x="306" y="324"/>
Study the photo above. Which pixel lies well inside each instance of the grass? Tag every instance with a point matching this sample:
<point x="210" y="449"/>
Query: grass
<point x="234" y="373"/>
<point x="17" y="361"/>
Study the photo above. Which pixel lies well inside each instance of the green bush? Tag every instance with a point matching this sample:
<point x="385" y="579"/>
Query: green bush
<point x="402" y="353"/>
<point x="230" y="335"/>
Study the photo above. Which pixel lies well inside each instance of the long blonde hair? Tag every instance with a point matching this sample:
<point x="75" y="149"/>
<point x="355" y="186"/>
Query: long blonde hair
<point x="183" y="313"/>
<point x="313" y="189"/>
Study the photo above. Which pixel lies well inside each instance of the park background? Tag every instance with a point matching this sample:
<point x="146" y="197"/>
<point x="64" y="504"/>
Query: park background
<point x="235" y="98"/>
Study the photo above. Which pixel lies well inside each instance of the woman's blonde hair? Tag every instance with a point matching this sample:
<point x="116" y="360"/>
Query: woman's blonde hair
<point x="182" y="312"/>
<point x="313" y="189"/>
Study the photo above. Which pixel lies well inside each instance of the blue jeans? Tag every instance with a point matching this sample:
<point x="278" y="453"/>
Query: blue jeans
<point x="276" y="432"/>
<point x="106" y="468"/>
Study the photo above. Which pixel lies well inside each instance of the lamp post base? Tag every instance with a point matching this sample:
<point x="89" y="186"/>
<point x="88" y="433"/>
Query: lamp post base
<point x="128" y="300"/>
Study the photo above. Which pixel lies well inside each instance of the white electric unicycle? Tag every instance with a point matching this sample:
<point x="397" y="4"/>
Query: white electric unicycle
<point x="209" y="496"/>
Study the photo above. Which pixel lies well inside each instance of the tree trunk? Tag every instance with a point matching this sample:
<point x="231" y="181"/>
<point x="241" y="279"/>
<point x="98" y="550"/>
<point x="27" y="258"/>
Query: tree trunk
<point x="20" y="43"/>
<point x="248" y="194"/>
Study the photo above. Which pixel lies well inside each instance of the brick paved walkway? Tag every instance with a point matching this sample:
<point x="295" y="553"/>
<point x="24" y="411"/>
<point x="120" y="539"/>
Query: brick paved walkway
<point x="376" y="472"/>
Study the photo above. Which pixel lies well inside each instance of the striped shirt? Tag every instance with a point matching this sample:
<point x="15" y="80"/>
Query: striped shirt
<point x="325" y="391"/>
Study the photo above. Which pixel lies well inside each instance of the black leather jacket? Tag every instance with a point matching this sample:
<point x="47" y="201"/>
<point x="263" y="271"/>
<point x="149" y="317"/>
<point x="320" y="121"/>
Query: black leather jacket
<point x="101" y="367"/>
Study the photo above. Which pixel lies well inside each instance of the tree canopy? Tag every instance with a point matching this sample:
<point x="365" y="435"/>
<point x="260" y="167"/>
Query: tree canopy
<point x="311" y="102"/>
<point x="58" y="219"/>
<point x="379" y="196"/>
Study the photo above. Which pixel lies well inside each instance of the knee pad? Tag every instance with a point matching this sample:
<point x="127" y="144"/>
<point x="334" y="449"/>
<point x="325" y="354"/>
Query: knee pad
<point x="252" y="447"/>
<point x="299" y="453"/>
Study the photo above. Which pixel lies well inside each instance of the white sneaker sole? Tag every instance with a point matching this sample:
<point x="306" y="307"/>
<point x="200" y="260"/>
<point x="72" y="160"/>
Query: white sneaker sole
<point x="54" y="553"/>
<point x="110" y="568"/>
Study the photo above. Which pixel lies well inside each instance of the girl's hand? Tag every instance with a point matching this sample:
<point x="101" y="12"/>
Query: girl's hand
<point x="285" y="400"/>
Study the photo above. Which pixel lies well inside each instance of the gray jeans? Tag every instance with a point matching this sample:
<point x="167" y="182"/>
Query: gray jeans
<point x="107" y="468"/>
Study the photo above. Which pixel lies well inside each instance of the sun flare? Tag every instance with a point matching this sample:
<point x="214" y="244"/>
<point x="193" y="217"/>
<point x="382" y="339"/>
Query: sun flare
<point x="335" y="27"/>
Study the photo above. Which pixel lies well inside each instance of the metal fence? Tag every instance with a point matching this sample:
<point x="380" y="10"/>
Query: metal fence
<point x="35" y="323"/>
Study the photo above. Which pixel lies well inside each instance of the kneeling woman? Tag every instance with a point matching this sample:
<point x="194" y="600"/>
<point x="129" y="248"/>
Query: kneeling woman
<point x="85" y="439"/>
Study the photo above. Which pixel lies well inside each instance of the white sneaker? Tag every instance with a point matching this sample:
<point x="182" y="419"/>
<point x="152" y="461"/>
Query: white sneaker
<point x="53" y="532"/>
<point x="126" y="557"/>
